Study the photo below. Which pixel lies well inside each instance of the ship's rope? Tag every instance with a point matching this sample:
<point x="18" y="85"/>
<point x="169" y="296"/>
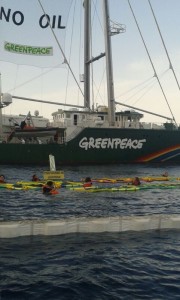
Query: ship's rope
<point x="70" y="52"/>
<point x="98" y="94"/>
<point x="60" y="48"/>
<point x="80" y="45"/>
<point x="135" y="87"/>
<point x="165" y="48"/>
<point x="32" y="79"/>
<point x="149" y="85"/>
<point x="96" y="89"/>
<point x="155" y="73"/>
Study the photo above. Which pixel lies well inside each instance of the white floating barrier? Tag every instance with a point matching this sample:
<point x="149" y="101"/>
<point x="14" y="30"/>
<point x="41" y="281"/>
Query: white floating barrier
<point x="13" y="229"/>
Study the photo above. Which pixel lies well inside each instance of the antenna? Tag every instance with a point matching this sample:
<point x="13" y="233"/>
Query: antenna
<point x="116" y="28"/>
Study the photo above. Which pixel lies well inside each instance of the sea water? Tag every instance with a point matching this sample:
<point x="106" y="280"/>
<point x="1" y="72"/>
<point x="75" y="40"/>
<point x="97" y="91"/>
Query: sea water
<point x="129" y="265"/>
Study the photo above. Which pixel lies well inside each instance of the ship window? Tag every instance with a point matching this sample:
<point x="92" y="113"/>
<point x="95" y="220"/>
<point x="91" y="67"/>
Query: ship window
<point x="68" y="115"/>
<point x="102" y="117"/>
<point x="75" y="119"/>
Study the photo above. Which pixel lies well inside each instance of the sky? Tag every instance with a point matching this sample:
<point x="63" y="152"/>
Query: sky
<point x="134" y="80"/>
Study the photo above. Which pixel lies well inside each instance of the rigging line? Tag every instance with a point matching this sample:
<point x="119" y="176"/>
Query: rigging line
<point x="70" y="52"/>
<point x="95" y="4"/>
<point x="92" y="69"/>
<point x="145" y="92"/>
<point x="149" y="85"/>
<point x="98" y="17"/>
<point x="16" y="76"/>
<point x="170" y="63"/>
<point x="60" y="47"/>
<point x="142" y="95"/>
<point x="80" y="47"/>
<point x="32" y="79"/>
<point x="141" y="84"/>
<point x="91" y="61"/>
<point x="98" y="88"/>
<point x="42" y="89"/>
<point x="135" y="87"/>
<point x="155" y="74"/>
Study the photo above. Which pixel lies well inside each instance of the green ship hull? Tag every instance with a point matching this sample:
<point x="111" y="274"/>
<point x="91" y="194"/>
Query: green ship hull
<point x="99" y="146"/>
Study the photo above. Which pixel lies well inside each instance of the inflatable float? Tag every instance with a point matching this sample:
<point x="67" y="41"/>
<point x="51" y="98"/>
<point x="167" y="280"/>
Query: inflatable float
<point x="100" y="184"/>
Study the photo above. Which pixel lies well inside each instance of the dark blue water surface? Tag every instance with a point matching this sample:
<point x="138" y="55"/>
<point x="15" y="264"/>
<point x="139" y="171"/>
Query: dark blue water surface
<point x="143" y="265"/>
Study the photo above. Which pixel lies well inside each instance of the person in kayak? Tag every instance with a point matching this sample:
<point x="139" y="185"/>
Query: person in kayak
<point x="165" y="174"/>
<point x="136" y="181"/>
<point x="87" y="182"/>
<point x="49" y="188"/>
<point x="2" y="179"/>
<point x="35" y="178"/>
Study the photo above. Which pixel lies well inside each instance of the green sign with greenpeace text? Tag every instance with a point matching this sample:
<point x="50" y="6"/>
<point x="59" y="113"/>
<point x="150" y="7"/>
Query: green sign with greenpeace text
<point x="28" y="50"/>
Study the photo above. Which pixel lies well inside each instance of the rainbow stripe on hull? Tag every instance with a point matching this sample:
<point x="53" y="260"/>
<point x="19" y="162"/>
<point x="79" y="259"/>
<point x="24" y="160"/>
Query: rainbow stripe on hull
<point x="165" y="155"/>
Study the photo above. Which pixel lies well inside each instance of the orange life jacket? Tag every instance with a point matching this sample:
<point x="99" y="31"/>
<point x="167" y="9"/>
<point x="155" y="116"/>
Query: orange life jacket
<point x="87" y="184"/>
<point x="49" y="191"/>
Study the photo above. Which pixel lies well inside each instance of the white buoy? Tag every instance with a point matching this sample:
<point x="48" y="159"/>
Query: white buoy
<point x="53" y="174"/>
<point x="52" y="163"/>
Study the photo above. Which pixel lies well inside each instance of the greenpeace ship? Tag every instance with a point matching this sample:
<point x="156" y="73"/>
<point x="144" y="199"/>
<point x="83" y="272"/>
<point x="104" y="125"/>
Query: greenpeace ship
<point x="90" y="136"/>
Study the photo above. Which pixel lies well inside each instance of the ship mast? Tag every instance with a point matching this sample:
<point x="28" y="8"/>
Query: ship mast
<point x="1" y="108"/>
<point x="87" y="21"/>
<point x="108" y="54"/>
<point x="109" y="67"/>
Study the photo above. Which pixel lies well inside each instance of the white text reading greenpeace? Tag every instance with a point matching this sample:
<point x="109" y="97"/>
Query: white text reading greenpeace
<point x="110" y="143"/>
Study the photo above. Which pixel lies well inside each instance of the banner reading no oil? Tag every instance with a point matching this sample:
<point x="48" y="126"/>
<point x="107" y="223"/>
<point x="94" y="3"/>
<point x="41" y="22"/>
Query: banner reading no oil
<point x="26" y="32"/>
